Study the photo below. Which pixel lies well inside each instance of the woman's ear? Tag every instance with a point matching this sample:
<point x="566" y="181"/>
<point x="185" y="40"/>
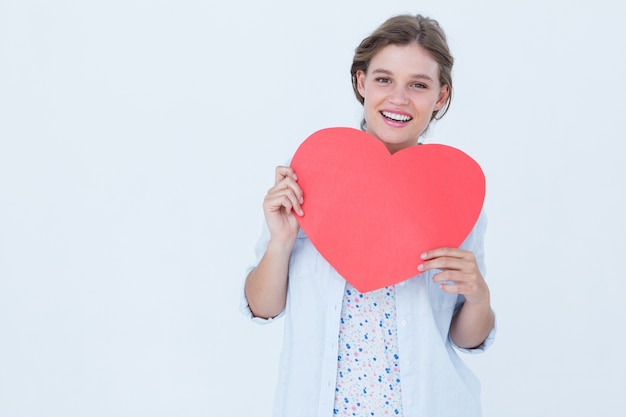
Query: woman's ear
<point x="360" y="82"/>
<point x="443" y="97"/>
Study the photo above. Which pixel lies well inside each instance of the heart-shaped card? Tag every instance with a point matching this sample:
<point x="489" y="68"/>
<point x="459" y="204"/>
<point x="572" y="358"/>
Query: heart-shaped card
<point x="372" y="214"/>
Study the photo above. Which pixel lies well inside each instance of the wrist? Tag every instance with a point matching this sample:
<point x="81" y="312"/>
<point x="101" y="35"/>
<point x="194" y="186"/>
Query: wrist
<point x="480" y="298"/>
<point x="281" y="246"/>
<point x="479" y="303"/>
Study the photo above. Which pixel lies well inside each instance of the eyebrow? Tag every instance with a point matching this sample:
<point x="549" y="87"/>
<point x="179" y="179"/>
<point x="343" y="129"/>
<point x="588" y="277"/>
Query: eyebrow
<point x="387" y="72"/>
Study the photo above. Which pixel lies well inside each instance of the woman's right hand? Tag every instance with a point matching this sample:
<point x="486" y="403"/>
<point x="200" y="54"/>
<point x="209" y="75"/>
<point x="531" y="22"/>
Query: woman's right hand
<point x="281" y="204"/>
<point x="266" y="285"/>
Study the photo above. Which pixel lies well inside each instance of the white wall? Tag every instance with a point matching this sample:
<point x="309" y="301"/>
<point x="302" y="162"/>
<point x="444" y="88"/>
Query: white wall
<point x="137" y="139"/>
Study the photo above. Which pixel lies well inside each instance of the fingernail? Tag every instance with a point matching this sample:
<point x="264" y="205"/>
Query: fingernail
<point x="301" y="200"/>
<point x="423" y="255"/>
<point x="420" y="267"/>
<point x="295" y="177"/>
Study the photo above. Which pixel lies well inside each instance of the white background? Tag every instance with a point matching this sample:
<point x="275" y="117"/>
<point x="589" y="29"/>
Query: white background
<point x="137" y="139"/>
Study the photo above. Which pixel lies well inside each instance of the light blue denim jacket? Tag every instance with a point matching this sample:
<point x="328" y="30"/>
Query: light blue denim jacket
<point x="435" y="381"/>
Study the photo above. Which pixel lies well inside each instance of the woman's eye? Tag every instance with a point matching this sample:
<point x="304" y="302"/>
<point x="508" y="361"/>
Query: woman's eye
<point x="382" y="80"/>
<point x="420" y="85"/>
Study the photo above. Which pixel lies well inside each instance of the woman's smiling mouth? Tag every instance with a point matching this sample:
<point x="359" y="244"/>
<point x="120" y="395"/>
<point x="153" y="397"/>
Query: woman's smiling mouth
<point x="396" y="117"/>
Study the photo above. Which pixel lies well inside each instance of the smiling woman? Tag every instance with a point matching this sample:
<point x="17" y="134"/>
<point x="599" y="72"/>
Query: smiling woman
<point x="401" y="31"/>
<point x="401" y="94"/>
<point x="390" y="350"/>
<point x="135" y="141"/>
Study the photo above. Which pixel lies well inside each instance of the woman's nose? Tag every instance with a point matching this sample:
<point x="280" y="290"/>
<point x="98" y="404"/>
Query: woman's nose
<point x="399" y="96"/>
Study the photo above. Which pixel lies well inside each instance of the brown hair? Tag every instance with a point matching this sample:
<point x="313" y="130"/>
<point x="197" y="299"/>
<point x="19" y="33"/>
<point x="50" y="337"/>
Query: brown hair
<point x="404" y="30"/>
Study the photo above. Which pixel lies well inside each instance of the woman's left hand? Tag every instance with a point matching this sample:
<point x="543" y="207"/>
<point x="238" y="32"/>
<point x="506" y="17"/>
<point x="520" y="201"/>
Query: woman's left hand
<point x="459" y="273"/>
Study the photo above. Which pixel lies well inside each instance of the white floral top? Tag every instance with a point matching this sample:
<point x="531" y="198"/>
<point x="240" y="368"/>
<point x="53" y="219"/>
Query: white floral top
<point x="368" y="372"/>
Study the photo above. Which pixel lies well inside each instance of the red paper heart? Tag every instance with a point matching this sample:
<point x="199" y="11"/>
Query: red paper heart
<point x="371" y="214"/>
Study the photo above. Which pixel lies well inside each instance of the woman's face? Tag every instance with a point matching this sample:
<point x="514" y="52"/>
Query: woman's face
<point x="401" y="91"/>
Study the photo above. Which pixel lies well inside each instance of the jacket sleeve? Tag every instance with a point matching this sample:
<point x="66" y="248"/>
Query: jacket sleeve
<point x="475" y="243"/>
<point x="260" y="248"/>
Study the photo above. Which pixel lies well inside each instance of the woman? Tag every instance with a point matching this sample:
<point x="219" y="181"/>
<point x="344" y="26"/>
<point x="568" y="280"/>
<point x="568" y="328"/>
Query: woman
<point x="391" y="351"/>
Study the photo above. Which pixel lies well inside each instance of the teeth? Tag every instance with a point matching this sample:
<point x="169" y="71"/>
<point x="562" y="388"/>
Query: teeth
<point x="396" y="117"/>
